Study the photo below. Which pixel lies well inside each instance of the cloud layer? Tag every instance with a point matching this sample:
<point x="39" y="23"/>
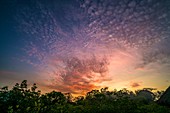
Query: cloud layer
<point x="74" y="42"/>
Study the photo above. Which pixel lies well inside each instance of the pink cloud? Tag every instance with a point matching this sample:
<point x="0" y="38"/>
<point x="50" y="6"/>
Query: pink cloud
<point x="135" y="84"/>
<point x="78" y="76"/>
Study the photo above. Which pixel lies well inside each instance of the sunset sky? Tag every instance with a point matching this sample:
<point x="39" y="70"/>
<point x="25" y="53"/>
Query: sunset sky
<point x="79" y="45"/>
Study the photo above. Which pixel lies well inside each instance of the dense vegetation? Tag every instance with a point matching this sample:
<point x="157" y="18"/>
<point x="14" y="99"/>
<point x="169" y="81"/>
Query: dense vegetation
<point x="21" y="99"/>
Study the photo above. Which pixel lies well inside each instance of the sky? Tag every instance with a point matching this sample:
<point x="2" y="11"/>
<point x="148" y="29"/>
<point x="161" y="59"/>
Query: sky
<point x="79" y="45"/>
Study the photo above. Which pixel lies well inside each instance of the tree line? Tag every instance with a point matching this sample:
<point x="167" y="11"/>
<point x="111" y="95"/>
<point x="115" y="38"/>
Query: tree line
<point x="21" y="99"/>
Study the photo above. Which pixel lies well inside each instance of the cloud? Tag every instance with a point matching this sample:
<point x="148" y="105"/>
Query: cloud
<point x="125" y="22"/>
<point x="64" y="37"/>
<point x="79" y="75"/>
<point x="159" y="53"/>
<point x="92" y="27"/>
<point x="135" y="84"/>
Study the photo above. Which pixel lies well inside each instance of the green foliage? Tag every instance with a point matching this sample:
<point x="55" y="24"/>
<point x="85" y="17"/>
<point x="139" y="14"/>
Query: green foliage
<point x="21" y="99"/>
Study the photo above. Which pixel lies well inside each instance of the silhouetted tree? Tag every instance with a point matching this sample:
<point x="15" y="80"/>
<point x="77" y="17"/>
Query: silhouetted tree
<point x="22" y="99"/>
